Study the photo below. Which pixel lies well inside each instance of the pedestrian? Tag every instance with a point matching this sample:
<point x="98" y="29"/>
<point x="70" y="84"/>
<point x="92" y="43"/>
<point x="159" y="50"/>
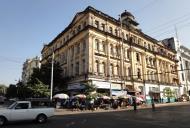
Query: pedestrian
<point x="153" y="104"/>
<point x="134" y="103"/>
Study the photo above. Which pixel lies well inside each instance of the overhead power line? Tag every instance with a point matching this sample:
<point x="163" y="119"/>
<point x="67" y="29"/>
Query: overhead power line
<point x="173" y="21"/>
<point x="168" y="26"/>
<point x="146" y="6"/>
<point x="171" y="31"/>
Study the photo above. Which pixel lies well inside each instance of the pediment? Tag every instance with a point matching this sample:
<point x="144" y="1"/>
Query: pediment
<point x="77" y="17"/>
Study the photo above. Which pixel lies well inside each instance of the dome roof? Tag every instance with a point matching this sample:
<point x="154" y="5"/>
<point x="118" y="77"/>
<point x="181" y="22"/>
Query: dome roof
<point x="126" y="13"/>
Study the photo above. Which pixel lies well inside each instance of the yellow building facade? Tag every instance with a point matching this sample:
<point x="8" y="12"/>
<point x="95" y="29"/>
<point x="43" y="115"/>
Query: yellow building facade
<point x="115" y="55"/>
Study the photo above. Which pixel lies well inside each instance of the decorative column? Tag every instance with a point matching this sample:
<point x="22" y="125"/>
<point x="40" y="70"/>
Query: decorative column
<point x="90" y="53"/>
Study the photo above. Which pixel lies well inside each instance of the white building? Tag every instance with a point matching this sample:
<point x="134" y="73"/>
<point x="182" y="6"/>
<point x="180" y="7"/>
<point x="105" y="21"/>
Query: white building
<point x="28" y="67"/>
<point x="183" y="55"/>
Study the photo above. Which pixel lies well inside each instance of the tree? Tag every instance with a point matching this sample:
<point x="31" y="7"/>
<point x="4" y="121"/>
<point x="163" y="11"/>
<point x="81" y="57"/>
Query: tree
<point x="23" y="91"/>
<point x="168" y="92"/>
<point x="39" y="90"/>
<point x="11" y="91"/>
<point x="2" y="89"/>
<point x="89" y="88"/>
<point x="43" y="74"/>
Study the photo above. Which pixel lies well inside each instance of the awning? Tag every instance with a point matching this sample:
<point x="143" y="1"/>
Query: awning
<point x="155" y="92"/>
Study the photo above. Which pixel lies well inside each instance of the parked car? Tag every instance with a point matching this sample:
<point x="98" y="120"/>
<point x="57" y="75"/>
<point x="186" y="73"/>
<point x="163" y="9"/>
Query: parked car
<point x="24" y="110"/>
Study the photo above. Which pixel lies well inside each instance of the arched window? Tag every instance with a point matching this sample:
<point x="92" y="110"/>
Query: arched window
<point x="150" y="61"/>
<point x="148" y="78"/>
<point x="118" y="70"/>
<point x="152" y="75"/>
<point x="116" y="32"/>
<point x="103" y="46"/>
<point x="138" y="73"/>
<point x="110" y="30"/>
<point x="154" y="62"/>
<point x="147" y="61"/>
<point x="129" y="72"/>
<point x="97" y="45"/>
<point x="117" y="50"/>
<point x="103" y="68"/>
<point x="137" y="57"/>
<point x="97" y="66"/>
<point x="111" y="70"/>
<point x="111" y="50"/>
<point x="128" y="53"/>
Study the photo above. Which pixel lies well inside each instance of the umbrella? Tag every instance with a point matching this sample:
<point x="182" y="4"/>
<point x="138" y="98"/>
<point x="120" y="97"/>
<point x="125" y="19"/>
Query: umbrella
<point x="105" y="97"/>
<point x="114" y="97"/>
<point x="125" y="96"/>
<point x="61" y="96"/>
<point x="139" y="98"/>
<point x="80" y="96"/>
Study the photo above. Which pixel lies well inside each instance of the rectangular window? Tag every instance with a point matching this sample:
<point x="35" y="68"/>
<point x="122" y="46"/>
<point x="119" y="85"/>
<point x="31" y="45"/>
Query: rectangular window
<point x="186" y="64"/>
<point x="182" y="76"/>
<point x="111" y="30"/>
<point x="128" y="54"/>
<point x="96" y="24"/>
<point x="72" y="52"/>
<point x="116" y="32"/>
<point x="78" y="48"/>
<point x="149" y="47"/>
<point x="79" y="28"/>
<point x="103" y="27"/>
<point x="137" y="57"/>
<point x="84" y="46"/>
<point x="71" y="69"/>
<point x="181" y="66"/>
<point x="127" y="36"/>
<point x="77" y="68"/>
<point x="139" y="73"/>
<point x="83" y="64"/>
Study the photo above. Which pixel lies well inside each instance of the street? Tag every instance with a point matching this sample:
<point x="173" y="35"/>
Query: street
<point x="163" y="117"/>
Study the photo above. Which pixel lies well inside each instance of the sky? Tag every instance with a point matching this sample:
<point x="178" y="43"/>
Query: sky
<point x="25" y="25"/>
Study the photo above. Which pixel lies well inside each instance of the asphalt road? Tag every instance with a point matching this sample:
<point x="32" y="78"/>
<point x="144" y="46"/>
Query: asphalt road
<point x="165" y="117"/>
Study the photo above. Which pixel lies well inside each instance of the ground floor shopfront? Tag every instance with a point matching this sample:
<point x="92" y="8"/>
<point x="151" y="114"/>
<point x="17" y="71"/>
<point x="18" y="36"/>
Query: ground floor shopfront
<point x="184" y="89"/>
<point x="111" y="88"/>
<point x="159" y="92"/>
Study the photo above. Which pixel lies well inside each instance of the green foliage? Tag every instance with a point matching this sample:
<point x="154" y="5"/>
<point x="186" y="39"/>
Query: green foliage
<point x="94" y="96"/>
<point x="23" y="91"/>
<point x="11" y="91"/>
<point x="2" y="89"/>
<point x="44" y="75"/>
<point x="89" y="88"/>
<point x="168" y="92"/>
<point x="39" y="89"/>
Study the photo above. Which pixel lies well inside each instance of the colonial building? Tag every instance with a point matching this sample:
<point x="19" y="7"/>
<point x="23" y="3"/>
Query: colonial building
<point x="115" y="55"/>
<point x="28" y="67"/>
<point x="183" y="55"/>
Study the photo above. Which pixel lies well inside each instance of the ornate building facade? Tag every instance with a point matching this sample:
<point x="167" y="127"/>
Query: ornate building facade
<point x="183" y="55"/>
<point x="28" y="67"/>
<point x="115" y="55"/>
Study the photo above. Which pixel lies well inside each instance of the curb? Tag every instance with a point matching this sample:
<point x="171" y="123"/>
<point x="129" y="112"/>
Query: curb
<point x="59" y="112"/>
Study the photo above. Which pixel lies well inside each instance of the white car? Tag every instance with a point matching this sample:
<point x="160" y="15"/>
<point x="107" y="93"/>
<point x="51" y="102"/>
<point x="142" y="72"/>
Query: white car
<point x="23" y="110"/>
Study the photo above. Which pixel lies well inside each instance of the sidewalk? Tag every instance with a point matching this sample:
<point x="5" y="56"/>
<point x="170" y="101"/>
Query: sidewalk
<point x="69" y="111"/>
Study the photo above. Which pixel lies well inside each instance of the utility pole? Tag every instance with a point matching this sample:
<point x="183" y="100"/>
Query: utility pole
<point x="52" y="63"/>
<point x="122" y="55"/>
